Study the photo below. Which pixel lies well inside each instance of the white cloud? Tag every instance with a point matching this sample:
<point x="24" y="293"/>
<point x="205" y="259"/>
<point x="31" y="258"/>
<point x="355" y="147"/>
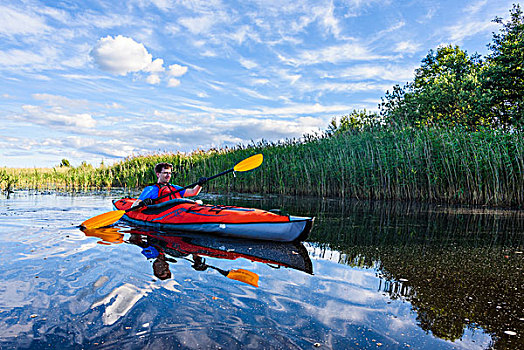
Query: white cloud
<point x="377" y="72"/>
<point x="290" y="111"/>
<point x="198" y="25"/>
<point x="246" y="129"/>
<point x="102" y="20"/>
<point x="430" y="13"/>
<point x="400" y="24"/>
<point x="114" y="105"/>
<point x="248" y="64"/>
<point x="475" y="7"/>
<point x="61" y="101"/>
<point x="18" y="58"/>
<point x="112" y="148"/>
<point x="406" y="47"/>
<point x="13" y="22"/>
<point x="153" y="79"/>
<point x="286" y="75"/>
<point x="156" y="66"/>
<point x="260" y="81"/>
<point x="56" y="14"/>
<point x="461" y="31"/>
<point x="344" y="87"/>
<point x="172" y="29"/>
<point x="173" y="82"/>
<point x="40" y="116"/>
<point x="121" y="55"/>
<point x="177" y="70"/>
<point x="333" y="54"/>
<point x="241" y="34"/>
<point x="328" y="20"/>
<point x="255" y="94"/>
<point x="163" y="5"/>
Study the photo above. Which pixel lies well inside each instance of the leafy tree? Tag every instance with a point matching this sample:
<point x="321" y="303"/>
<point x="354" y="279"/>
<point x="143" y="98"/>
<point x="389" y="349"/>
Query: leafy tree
<point x="446" y="90"/>
<point x="504" y="74"/>
<point x="355" y="121"/>
<point x="398" y="107"/>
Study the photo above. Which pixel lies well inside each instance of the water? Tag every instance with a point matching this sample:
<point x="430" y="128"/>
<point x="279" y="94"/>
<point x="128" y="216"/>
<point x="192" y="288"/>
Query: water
<point x="373" y="275"/>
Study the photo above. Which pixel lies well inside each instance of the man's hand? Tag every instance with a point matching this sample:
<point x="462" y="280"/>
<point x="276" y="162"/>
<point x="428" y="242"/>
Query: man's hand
<point x="147" y="201"/>
<point x="202" y="181"/>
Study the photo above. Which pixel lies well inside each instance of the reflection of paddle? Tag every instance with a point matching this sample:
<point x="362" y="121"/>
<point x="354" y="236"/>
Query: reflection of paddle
<point x="241" y="275"/>
<point x="108" y="235"/>
<point x="244" y="276"/>
<point x="115" y="215"/>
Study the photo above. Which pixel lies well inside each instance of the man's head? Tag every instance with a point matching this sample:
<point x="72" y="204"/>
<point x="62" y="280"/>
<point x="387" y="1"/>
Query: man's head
<point x="161" y="268"/>
<point x="163" y="172"/>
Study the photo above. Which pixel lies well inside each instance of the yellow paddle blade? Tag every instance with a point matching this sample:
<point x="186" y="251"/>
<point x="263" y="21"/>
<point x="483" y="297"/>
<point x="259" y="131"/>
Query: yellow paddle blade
<point x="108" y="235"/>
<point x="250" y="163"/>
<point x="103" y="219"/>
<point x="244" y="276"/>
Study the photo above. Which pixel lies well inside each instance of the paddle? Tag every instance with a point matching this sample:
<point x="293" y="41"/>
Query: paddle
<point x="115" y="215"/>
<point x="245" y="276"/>
<point x="241" y="275"/>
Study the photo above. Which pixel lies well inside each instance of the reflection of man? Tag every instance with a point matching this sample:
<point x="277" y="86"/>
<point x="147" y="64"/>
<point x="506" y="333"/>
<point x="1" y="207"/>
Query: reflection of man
<point x="161" y="267"/>
<point x="153" y="248"/>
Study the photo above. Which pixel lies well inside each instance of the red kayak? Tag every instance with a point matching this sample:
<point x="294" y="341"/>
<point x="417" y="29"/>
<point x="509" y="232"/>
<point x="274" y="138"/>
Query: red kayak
<point x="188" y="215"/>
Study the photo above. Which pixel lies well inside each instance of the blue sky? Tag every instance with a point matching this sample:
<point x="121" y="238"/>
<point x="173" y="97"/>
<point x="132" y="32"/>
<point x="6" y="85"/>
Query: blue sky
<point x="99" y="81"/>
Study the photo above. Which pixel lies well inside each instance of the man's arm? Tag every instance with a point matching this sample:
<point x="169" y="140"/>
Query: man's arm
<point x="148" y="192"/>
<point x="190" y="192"/>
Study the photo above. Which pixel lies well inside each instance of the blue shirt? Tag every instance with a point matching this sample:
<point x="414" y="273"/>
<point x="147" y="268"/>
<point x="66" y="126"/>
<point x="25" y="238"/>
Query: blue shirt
<point x="152" y="192"/>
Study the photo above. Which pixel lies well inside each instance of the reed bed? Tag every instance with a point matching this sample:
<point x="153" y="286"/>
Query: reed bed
<point x="434" y="165"/>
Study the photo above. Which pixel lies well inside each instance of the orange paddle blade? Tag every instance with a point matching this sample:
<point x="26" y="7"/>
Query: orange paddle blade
<point x="244" y="276"/>
<point x="103" y="219"/>
<point x="250" y="163"/>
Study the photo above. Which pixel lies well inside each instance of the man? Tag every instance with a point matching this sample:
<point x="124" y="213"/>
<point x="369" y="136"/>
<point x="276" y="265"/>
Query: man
<point x="164" y="189"/>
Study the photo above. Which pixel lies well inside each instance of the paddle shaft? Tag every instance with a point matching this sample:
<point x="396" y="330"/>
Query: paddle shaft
<point x="179" y="190"/>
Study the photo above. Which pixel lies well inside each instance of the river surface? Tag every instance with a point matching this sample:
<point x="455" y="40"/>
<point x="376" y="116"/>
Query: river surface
<point x="372" y="275"/>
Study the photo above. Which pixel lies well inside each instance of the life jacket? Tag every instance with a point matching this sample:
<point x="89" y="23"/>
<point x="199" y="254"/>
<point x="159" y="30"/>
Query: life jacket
<point x="165" y="190"/>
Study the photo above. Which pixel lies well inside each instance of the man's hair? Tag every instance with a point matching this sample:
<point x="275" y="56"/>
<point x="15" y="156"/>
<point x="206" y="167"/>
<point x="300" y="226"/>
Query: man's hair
<point x="161" y="166"/>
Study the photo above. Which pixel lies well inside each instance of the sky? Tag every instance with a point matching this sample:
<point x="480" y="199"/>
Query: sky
<point x="99" y="81"/>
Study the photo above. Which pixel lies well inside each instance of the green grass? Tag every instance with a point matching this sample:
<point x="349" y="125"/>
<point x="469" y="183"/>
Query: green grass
<point x="436" y="165"/>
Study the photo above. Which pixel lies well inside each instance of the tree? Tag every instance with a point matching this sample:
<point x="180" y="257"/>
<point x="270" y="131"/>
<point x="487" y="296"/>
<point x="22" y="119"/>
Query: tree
<point x="504" y="74"/>
<point x="446" y="90"/>
<point x="355" y="121"/>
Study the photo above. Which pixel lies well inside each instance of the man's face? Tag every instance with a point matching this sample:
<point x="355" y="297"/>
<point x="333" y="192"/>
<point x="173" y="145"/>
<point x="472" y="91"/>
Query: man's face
<point x="164" y="176"/>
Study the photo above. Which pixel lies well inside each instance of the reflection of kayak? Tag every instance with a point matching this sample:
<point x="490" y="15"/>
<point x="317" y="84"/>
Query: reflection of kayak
<point x="277" y="254"/>
<point x="194" y="247"/>
<point x="187" y="215"/>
